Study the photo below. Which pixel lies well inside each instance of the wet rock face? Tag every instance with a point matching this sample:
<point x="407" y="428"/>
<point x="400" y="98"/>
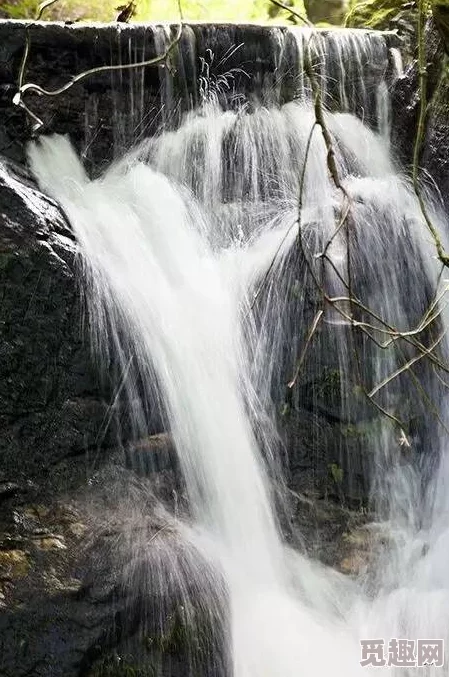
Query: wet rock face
<point x="440" y="12"/>
<point x="108" y="112"/>
<point x="51" y="402"/>
<point x="434" y="157"/>
<point x="62" y="589"/>
<point x="63" y="593"/>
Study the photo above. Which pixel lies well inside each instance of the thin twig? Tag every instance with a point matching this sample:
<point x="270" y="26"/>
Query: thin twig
<point x="302" y="179"/>
<point x="343" y="220"/>
<point x="160" y="530"/>
<point x="309" y="338"/>
<point x="428" y="400"/>
<point x="293" y="12"/>
<point x="406" y="366"/>
<point x="40" y="10"/>
<point x="271" y="266"/>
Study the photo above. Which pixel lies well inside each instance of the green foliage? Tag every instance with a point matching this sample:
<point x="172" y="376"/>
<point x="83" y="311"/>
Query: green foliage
<point x="326" y="11"/>
<point x="198" y="10"/>
<point x="25" y="9"/>
<point x="286" y="410"/>
<point x="74" y="10"/>
<point x="152" y="10"/>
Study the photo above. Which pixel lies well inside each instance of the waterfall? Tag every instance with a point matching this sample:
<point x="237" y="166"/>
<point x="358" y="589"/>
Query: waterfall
<point x="198" y="284"/>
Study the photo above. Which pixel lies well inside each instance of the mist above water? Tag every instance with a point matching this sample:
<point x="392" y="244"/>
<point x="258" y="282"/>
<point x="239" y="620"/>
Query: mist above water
<point x="189" y="246"/>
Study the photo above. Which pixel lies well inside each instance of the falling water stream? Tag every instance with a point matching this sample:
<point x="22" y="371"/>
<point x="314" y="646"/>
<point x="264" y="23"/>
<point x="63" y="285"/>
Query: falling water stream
<point x="178" y="240"/>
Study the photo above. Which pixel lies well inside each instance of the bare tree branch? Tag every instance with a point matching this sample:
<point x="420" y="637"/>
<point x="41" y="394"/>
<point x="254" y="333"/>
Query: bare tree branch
<point x="31" y="87"/>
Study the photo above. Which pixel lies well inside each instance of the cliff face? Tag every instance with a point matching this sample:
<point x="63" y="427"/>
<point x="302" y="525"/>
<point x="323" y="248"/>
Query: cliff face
<point x="51" y="413"/>
<point x="52" y="403"/>
<point x="59" y="463"/>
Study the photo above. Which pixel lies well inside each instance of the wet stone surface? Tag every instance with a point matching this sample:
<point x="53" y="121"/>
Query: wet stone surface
<point x="106" y="113"/>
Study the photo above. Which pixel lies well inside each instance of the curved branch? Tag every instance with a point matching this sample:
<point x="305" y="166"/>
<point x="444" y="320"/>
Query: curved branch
<point x="32" y="87"/>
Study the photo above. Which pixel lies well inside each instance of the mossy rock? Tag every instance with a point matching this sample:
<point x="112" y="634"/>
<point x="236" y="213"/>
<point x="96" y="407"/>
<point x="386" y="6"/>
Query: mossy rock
<point x="383" y="15"/>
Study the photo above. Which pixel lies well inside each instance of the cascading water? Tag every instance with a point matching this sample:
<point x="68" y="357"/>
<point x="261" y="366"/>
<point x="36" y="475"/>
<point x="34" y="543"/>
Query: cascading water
<point x="178" y="241"/>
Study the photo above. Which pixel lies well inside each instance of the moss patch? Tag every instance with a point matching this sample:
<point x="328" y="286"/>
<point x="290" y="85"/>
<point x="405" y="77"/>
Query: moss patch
<point x="381" y="14"/>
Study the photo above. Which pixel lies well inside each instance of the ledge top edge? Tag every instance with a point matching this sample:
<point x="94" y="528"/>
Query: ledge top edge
<point x="79" y="25"/>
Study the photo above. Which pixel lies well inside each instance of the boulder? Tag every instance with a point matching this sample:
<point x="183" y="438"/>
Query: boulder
<point x="52" y="400"/>
<point x="387" y="15"/>
<point x="382" y="14"/>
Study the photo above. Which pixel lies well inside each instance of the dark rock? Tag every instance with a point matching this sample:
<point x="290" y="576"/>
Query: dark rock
<point x="153" y="453"/>
<point x="53" y="408"/>
<point x="52" y="402"/>
<point x="66" y="580"/>
<point x="8" y="489"/>
<point x="328" y="458"/>
<point x="433" y="160"/>
<point x="440" y="11"/>
<point x="330" y="532"/>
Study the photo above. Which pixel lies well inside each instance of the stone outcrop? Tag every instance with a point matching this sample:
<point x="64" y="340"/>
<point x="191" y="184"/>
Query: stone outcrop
<point x="382" y="14"/>
<point x="52" y="402"/>
<point x="387" y="15"/>
<point x="434" y="154"/>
